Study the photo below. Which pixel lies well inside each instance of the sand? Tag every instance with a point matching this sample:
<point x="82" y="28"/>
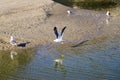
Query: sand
<point x="33" y="21"/>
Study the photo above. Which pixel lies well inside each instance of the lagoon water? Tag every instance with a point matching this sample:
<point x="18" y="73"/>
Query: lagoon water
<point x="82" y="62"/>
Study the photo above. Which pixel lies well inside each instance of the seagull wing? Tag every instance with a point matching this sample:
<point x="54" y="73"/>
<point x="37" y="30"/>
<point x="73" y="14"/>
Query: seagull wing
<point x="63" y="30"/>
<point x="13" y="42"/>
<point x="56" y="32"/>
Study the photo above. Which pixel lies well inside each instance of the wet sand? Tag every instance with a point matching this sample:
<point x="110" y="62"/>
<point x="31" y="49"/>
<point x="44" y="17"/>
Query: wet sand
<point x="33" y="21"/>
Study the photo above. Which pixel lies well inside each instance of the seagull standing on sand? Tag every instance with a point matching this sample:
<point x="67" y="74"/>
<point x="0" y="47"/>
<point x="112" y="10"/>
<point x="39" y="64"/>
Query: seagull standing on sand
<point x="12" y="41"/>
<point x="59" y="35"/>
<point x="108" y="13"/>
<point x="68" y="11"/>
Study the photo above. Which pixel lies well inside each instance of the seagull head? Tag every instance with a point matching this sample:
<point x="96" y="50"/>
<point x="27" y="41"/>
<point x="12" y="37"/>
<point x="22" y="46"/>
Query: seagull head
<point x="11" y="37"/>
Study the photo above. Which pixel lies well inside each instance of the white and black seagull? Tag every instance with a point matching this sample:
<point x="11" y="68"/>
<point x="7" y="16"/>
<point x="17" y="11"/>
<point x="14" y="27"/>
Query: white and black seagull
<point x="12" y="41"/>
<point x="58" y="35"/>
<point x="108" y="13"/>
<point x="69" y="12"/>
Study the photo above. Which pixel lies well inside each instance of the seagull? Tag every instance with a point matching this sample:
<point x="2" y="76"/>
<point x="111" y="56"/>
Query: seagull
<point x="108" y="13"/>
<point x="68" y="11"/>
<point x="58" y="35"/>
<point x="12" y="41"/>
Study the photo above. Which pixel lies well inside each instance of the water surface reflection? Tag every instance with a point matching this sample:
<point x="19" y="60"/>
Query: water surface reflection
<point x="13" y="60"/>
<point x="63" y="62"/>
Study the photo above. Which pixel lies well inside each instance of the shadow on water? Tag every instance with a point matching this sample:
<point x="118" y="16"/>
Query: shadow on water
<point x="98" y="60"/>
<point x="90" y="4"/>
<point x="81" y="43"/>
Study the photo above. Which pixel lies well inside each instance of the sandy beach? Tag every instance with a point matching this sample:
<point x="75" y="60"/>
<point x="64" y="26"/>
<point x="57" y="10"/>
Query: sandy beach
<point x="33" y="21"/>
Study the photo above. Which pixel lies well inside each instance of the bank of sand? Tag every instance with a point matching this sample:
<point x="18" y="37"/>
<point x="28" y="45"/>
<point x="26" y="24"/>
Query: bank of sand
<point x="33" y="21"/>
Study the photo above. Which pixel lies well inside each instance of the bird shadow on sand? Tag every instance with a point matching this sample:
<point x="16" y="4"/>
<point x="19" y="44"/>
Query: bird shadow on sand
<point x="23" y="44"/>
<point x="80" y="44"/>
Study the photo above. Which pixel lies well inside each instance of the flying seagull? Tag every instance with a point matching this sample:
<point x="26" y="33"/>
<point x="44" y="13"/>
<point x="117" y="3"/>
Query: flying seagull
<point x="12" y="41"/>
<point x="58" y="35"/>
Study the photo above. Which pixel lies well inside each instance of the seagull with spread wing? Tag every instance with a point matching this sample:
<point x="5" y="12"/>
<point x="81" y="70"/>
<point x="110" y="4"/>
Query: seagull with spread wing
<point x="58" y="35"/>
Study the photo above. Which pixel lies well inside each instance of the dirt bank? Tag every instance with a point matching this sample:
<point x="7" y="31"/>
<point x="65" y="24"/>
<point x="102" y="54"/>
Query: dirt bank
<point x="33" y="21"/>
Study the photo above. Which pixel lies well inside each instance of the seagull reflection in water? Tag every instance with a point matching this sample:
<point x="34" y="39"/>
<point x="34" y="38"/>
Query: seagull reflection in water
<point x="12" y="54"/>
<point x="58" y="63"/>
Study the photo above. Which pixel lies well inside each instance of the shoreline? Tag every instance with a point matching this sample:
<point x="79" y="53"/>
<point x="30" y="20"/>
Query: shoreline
<point x="34" y="23"/>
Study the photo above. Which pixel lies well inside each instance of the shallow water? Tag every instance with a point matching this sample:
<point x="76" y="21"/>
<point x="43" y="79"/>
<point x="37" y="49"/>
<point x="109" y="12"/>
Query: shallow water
<point x="86" y="61"/>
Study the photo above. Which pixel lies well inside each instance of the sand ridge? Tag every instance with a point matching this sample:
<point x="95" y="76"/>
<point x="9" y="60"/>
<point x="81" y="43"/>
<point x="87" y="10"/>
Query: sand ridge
<point x="33" y="21"/>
